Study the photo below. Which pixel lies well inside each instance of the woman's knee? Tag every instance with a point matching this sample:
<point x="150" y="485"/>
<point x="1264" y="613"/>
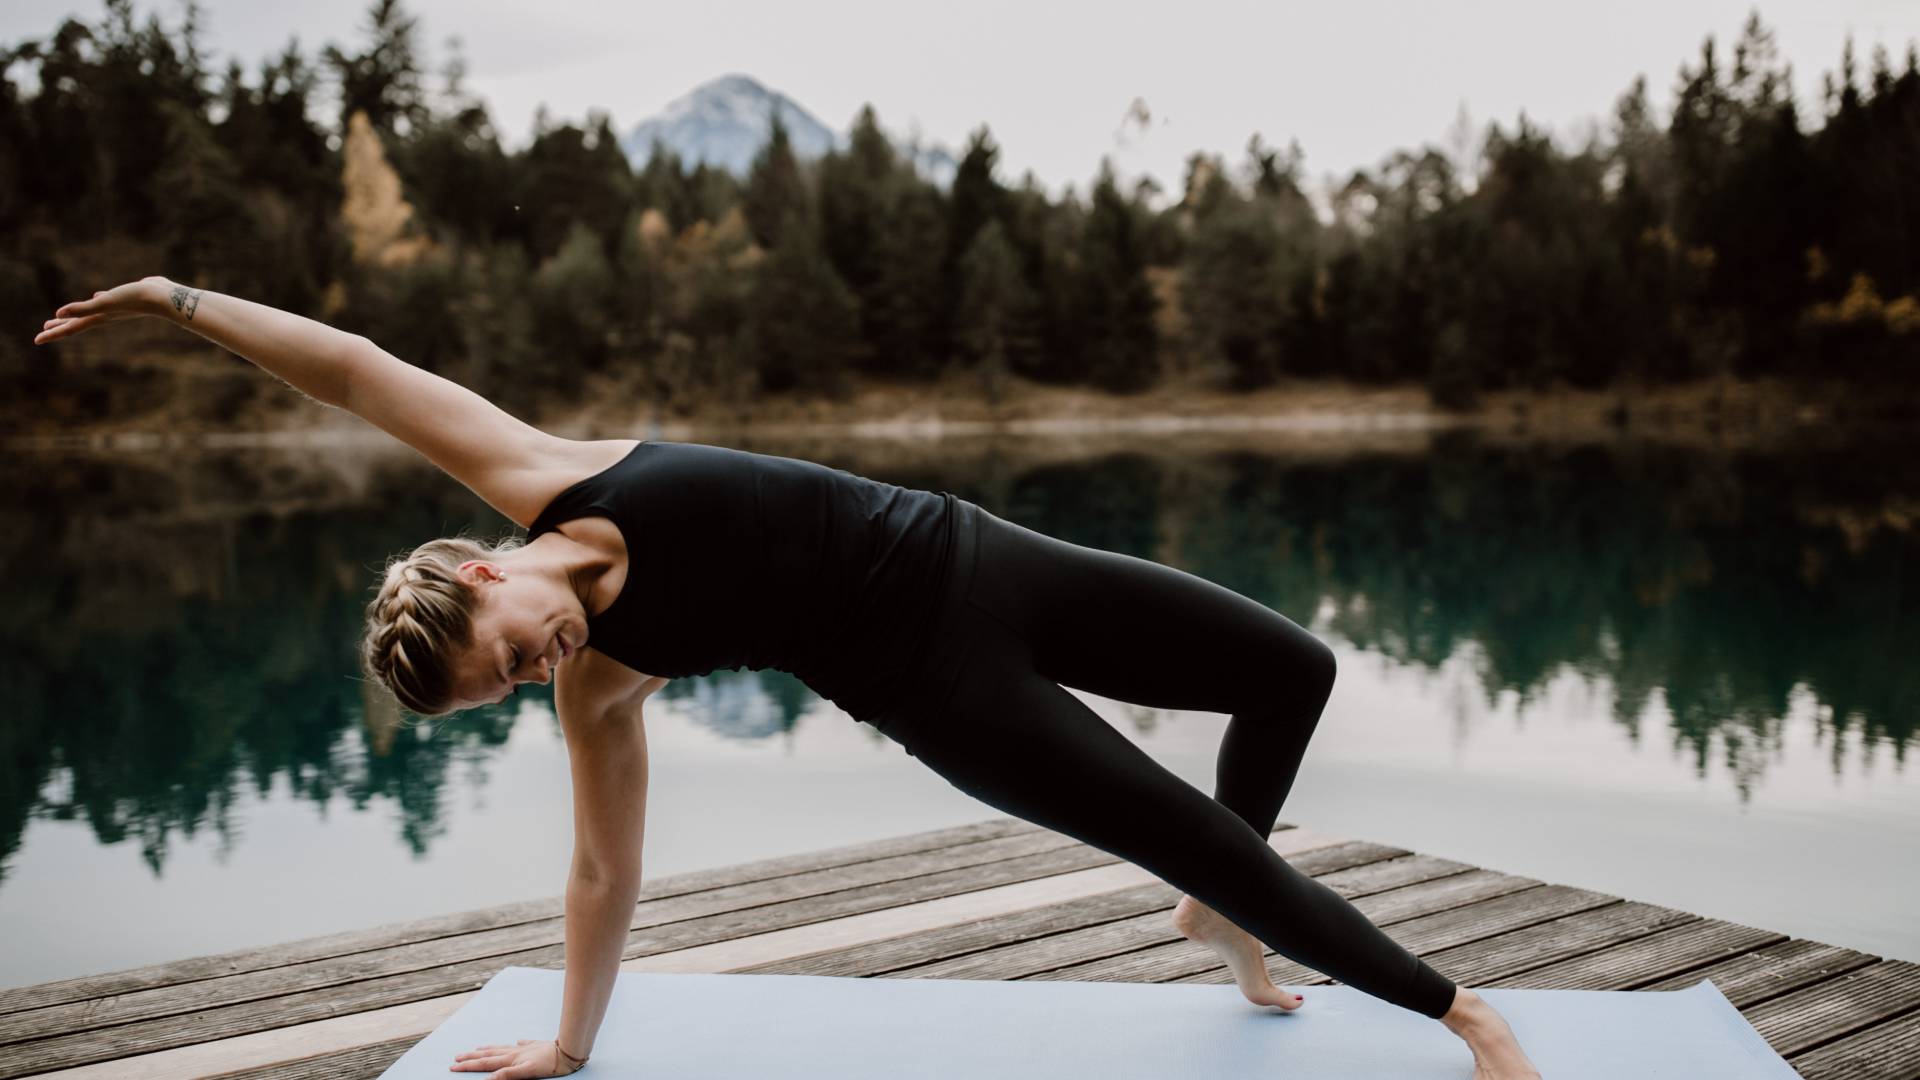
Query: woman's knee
<point x="1297" y="681"/>
<point x="1320" y="668"/>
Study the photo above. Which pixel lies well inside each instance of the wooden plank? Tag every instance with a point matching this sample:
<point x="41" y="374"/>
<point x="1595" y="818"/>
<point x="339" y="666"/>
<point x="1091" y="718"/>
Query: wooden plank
<point x="1450" y="893"/>
<point x="1499" y="915"/>
<point x="1073" y="948"/>
<point x="359" y="1063"/>
<point x="1446" y="929"/>
<point x="1180" y="960"/>
<point x="1756" y="976"/>
<point x="744" y="910"/>
<point x="345" y="1032"/>
<point x="889" y="955"/>
<point x="88" y="987"/>
<point x="1634" y="964"/>
<point x="1392" y="873"/>
<point x="1021" y="902"/>
<point x="1066" y="888"/>
<point x="1889" y="1050"/>
<point x="1507" y="957"/>
<point x="880" y="957"/>
<point x="1840" y="1006"/>
<point x="443" y="952"/>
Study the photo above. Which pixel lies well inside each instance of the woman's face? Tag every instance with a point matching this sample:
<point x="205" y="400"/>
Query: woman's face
<point x="523" y="627"/>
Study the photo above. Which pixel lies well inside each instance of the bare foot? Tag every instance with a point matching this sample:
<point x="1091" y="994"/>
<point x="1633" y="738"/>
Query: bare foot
<point x="1496" y="1053"/>
<point x="1241" y="951"/>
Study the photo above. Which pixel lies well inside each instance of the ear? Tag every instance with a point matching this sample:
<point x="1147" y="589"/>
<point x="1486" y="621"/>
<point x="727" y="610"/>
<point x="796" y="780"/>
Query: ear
<point x="478" y="571"/>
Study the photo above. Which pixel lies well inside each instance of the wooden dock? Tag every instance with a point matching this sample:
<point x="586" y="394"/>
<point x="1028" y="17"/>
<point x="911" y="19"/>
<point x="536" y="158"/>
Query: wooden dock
<point x="1001" y="899"/>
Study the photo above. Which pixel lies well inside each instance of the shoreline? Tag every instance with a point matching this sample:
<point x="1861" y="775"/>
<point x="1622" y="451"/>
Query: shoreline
<point x="1719" y="412"/>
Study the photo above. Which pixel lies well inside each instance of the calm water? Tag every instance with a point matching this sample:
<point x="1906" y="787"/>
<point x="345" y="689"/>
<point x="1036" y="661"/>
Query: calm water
<point x="1678" y="675"/>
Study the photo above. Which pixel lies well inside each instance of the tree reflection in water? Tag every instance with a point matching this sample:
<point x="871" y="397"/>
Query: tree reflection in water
<point x="177" y="626"/>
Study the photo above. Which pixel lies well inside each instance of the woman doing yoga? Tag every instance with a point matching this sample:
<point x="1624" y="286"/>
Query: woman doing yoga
<point x="951" y="630"/>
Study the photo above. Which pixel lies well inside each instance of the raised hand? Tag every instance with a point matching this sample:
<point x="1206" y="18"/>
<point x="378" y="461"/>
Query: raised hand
<point x="148" y="296"/>
<point x="530" y="1058"/>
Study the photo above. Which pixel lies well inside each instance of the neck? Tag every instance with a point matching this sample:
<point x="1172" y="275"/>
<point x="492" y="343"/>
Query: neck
<point x="563" y="561"/>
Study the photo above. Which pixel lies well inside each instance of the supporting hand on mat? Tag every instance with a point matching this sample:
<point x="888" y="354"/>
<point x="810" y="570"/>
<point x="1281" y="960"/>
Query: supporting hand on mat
<point x="148" y="296"/>
<point x="531" y="1058"/>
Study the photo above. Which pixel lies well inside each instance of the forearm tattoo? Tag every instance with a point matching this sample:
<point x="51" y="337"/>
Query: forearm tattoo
<point x="186" y="301"/>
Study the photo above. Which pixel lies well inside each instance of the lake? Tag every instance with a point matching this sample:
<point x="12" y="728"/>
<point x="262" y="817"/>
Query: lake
<point x="1675" y="672"/>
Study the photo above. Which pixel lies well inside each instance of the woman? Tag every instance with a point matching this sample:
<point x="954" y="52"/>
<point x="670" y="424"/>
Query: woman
<point x="949" y="629"/>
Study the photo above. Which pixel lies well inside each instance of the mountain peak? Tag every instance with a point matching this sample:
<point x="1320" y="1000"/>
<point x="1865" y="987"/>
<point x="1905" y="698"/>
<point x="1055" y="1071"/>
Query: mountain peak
<point x="726" y="120"/>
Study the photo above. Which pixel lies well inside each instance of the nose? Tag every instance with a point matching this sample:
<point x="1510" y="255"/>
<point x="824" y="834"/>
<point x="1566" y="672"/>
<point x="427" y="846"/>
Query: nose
<point x="546" y="672"/>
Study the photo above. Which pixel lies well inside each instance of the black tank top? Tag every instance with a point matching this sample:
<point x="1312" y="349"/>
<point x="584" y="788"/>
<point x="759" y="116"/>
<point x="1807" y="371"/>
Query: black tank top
<point x="744" y="560"/>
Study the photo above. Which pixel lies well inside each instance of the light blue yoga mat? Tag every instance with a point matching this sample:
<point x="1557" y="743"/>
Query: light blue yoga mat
<point x="771" y="1027"/>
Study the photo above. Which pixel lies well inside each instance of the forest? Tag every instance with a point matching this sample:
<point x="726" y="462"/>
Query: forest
<point x="1734" y="236"/>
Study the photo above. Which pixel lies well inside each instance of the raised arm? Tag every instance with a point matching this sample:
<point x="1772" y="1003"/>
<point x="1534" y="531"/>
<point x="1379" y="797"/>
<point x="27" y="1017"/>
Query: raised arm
<point x="512" y="465"/>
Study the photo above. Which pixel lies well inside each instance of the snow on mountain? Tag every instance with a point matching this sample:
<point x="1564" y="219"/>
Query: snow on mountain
<point x="725" y="122"/>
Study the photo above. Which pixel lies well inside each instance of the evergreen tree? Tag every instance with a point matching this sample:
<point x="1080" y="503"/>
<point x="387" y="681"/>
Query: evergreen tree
<point x="572" y="175"/>
<point x="993" y="308"/>
<point x="1232" y="291"/>
<point x="859" y="199"/>
<point x="714" y="192"/>
<point x="383" y="79"/>
<point x="663" y="185"/>
<point x="1249" y="268"/>
<point x="1042" y="264"/>
<point x="904" y="321"/>
<point x="1730" y="237"/>
<point x="464" y="183"/>
<point x="575" y="298"/>
<point x="977" y="198"/>
<point x="202" y="214"/>
<point x="801" y="325"/>
<point x="776" y="197"/>
<point x="1641" y="242"/>
<point x="1116" y="305"/>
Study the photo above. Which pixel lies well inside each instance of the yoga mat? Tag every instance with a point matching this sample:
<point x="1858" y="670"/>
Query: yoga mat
<point x="668" y="1026"/>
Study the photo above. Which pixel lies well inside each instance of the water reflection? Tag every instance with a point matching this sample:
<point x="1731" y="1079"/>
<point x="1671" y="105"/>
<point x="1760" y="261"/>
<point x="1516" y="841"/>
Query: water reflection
<point x="178" y="627"/>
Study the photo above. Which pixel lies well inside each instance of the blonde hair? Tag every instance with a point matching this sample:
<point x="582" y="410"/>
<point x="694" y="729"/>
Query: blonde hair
<point x="421" y="617"/>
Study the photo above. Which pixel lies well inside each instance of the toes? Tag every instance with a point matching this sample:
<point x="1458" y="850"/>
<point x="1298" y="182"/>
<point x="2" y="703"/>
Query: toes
<point x="1279" y="998"/>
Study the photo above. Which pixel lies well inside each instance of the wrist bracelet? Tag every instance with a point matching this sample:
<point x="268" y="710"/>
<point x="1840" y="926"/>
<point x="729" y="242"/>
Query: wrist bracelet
<point x="576" y="1062"/>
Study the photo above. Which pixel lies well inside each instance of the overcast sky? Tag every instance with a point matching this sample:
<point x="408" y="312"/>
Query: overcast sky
<point x="1351" y="81"/>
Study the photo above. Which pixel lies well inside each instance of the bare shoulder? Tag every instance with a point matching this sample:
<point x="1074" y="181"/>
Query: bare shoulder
<point x="573" y="460"/>
<point x="562" y="463"/>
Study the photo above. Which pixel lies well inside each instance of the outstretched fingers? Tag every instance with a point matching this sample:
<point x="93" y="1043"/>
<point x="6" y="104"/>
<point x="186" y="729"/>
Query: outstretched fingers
<point x="485" y="1058"/>
<point x="80" y="307"/>
<point x="58" y="328"/>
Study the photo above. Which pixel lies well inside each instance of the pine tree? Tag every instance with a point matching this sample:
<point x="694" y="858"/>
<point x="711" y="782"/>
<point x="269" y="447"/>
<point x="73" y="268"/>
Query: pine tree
<point x="992" y="309"/>
<point x="859" y="197"/>
<point x="776" y="198"/>
<point x="572" y="175"/>
<point x="663" y="185"/>
<point x="904" y="322"/>
<point x="1116" y="302"/>
<point x="977" y="199"/>
<point x="801" y="325"/>
<point x="382" y="80"/>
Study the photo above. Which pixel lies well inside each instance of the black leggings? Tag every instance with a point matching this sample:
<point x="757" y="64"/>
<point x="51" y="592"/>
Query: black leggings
<point x="1025" y="615"/>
